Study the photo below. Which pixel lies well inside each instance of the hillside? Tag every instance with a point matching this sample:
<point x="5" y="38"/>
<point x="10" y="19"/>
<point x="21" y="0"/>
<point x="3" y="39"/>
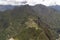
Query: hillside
<point x="29" y="23"/>
<point x="48" y="15"/>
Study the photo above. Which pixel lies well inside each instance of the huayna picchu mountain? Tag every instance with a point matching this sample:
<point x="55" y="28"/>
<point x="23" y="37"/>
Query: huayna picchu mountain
<point x="29" y="23"/>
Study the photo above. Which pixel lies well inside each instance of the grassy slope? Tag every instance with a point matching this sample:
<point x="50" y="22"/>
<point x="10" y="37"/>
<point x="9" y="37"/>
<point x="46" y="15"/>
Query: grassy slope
<point x="23" y="23"/>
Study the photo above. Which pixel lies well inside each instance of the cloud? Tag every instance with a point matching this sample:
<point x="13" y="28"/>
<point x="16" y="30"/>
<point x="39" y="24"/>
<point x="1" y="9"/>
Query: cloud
<point x="30" y="2"/>
<point x="10" y="2"/>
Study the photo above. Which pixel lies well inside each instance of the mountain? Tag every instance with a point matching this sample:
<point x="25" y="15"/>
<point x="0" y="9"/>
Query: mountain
<point x="48" y="15"/>
<point x="52" y="4"/>
<point x="10" y="7"/>
<point x="6" y="7"/>
<point x="56" y="7"/>
<point x="29" y="23"/>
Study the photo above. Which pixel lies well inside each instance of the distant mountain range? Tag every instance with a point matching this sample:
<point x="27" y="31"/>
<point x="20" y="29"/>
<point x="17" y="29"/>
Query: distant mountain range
<point x="10" y="7"/>
<point x="6" y="7"/>
<point x="56" y="7"/>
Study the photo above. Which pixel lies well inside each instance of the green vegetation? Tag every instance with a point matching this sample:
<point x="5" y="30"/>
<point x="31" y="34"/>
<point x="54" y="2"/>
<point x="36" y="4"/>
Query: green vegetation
<point x="23" y="24"/>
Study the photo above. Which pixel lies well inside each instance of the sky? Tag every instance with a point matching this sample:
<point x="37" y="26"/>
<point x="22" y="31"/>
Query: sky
<point x="30" y="2"/>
